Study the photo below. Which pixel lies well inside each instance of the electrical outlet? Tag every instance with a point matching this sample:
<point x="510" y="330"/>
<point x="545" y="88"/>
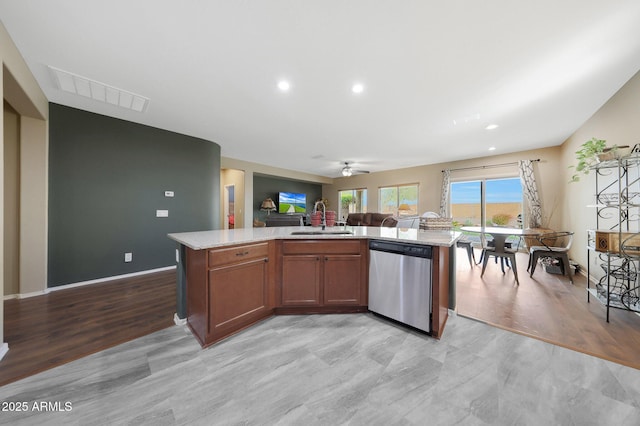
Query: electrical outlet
<point x="168" y="193"/>
<point x="162" y="213"/>
<point x="128" y="257"/>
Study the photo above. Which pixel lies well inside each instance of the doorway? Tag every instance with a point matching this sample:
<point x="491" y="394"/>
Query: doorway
<point x="229" y="206"/>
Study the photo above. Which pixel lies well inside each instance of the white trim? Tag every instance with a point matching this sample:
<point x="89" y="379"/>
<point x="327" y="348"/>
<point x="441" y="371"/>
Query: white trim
<point x="25" y="295"/>
<point x="83" y="283"/>
<point x="116" y="277"/>
<point x="3" y="350"/>
<point x="179" y="321"/>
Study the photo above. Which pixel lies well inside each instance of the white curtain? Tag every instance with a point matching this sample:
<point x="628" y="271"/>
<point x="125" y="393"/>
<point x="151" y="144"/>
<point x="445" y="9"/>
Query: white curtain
<point x="530" y="191"/>
<point x="444" y="197"/>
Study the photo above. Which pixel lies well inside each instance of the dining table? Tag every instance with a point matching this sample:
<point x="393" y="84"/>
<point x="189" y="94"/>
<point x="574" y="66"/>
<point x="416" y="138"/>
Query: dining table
<point x="499" y="234"/>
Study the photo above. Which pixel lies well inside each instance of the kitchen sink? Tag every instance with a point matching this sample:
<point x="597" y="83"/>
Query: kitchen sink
<point x="321" y="233"/>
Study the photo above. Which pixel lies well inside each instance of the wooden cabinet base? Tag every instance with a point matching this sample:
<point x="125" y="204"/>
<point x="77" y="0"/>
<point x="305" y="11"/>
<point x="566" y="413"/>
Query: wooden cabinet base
<point x="234" y="287"/>
<point x="212" y="339"/>
<point x="307" y="310"/>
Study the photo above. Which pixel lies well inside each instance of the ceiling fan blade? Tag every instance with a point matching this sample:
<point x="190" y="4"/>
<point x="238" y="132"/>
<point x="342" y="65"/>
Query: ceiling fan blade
<point x="347" y="170"/>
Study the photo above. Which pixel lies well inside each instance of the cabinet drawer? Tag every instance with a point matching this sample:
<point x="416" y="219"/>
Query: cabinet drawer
<point x="321" y="247"/>
<point x="224" y="256"/>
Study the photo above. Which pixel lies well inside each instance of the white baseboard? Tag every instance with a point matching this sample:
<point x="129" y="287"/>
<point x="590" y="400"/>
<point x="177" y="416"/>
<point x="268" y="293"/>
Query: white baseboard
<point x="83" y="283"/>
<point x="179" y="321"/>
<point x="4" y="348"/>
<point x="25" y="295"/>
<point x="113" y="278"/>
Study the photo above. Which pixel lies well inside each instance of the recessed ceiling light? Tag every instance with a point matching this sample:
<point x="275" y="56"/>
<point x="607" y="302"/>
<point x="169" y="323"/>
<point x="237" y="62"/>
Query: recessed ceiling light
<point x="492" y="148"/>
<point x="357" y="88"/>
<point x="492" y="126"/>
<point x="284" y="85"/>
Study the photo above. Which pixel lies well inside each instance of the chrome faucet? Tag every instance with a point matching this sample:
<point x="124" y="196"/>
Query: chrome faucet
<point x="324" y="211"/>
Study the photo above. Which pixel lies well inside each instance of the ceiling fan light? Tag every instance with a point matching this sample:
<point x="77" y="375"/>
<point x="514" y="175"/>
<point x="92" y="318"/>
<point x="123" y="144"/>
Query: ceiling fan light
<point x="346" y="171"/>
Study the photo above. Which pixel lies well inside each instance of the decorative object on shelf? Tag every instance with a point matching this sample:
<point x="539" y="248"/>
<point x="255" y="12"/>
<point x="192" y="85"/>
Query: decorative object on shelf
<point x="591" y="153"/>
<point x="268" y="205"/>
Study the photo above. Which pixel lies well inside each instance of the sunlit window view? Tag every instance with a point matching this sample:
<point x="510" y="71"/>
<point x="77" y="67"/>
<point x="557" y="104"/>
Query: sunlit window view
<point x="352" y="201"/>
<point x="494" y="202"/>
<point x="399" y="200"/>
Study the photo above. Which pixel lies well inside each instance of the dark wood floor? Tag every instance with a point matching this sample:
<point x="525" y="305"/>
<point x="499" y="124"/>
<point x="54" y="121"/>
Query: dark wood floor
<point x="53" y="329"/>
<point x="50" y="330"/>
<point x="548" y="308"/>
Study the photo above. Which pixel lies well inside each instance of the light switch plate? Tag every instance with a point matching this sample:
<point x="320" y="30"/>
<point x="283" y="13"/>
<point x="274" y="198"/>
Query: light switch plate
<point x="162" y="213"/>
<point x="168" y="193"/>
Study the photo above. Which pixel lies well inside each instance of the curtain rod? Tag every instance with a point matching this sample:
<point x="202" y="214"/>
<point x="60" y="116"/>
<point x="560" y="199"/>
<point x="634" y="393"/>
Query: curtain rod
<point x="515" y="163"/>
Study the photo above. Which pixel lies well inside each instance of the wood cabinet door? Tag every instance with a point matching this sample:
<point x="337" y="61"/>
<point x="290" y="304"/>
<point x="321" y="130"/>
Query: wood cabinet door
<point x="238" y="295"/>
<point x="343" y="280"/>
<point x="301" y="280"/>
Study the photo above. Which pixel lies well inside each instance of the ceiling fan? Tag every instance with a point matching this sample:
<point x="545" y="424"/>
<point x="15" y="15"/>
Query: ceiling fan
<point x="347" y="170"/>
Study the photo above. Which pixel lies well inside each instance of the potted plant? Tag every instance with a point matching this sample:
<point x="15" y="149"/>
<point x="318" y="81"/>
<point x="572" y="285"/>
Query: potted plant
<point x="587" y="157"/>
<point x="591" y="153"/>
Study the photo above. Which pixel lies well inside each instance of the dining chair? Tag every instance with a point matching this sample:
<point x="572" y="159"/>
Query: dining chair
<point x="467" y="244"/>
<point x="555" y="245"/>
<point x="489" y="245"/>
<point x="508" y="255"/>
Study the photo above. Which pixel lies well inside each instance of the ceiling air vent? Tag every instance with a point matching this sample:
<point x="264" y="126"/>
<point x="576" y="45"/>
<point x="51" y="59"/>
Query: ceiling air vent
<point x="83" y="86"/>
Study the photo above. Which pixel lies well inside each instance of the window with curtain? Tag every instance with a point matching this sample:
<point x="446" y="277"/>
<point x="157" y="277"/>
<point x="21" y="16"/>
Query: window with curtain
<point x="494" y="202"/>
<point x="352" y="201"/>
<point x="399" y="200"/>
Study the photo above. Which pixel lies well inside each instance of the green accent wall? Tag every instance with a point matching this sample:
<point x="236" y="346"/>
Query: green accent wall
<point x="269" y="186"/>
<point x="107" y="178"/>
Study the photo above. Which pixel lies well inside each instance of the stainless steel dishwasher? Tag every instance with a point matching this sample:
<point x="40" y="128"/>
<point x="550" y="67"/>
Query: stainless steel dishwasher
<point x="400" y="282"/>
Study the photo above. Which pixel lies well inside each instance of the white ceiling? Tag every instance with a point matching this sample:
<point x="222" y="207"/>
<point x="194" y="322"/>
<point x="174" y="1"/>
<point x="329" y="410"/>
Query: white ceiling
<point x="435" y="73"/>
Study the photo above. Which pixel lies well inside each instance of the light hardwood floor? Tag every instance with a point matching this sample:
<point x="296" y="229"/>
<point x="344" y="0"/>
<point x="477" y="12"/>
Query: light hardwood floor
<point x="547" y="307"/>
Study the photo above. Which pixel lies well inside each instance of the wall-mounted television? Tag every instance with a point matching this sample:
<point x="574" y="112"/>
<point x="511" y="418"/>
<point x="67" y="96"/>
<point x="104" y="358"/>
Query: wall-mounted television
<point x="292" y="202"/>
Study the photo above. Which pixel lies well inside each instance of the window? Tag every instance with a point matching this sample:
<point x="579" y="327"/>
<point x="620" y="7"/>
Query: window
<point x="494" y="202"/>
<point x="399" y="200"/>
<point x="352" y="201"/>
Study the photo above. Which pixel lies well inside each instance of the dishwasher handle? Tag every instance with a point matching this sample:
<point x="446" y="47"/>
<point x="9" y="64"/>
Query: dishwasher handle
<point x="405" y="249"/>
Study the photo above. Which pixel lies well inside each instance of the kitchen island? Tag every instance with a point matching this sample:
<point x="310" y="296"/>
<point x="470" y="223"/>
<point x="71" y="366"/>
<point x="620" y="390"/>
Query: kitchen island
<point x="231" y="279"/>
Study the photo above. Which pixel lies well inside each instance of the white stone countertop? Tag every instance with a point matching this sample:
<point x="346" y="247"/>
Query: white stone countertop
<point x="200" y="240"/>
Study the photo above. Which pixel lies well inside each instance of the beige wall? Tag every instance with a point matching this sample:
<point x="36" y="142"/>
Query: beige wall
<point x="618" y="122"/>
<point x="20" y="89"/>
<point x="429" y="178"/>
<point x="34" y="178"/>
<point x="11" y="165"/>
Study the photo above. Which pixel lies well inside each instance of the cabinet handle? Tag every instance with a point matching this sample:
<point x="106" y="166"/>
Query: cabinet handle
<point x="244" y="253"/>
